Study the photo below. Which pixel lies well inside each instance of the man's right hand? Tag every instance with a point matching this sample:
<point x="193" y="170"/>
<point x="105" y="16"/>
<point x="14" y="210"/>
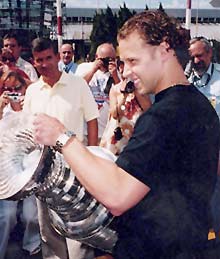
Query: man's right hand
<point x="97" y="64"/>
<point x="47" y="129"/>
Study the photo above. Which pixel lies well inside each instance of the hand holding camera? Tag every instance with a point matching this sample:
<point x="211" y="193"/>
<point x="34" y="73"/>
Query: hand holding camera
<point x="14" y="97"/>
<point x="105" y="62"/>
<point x="109" y="64"/>
<point x="129" y="88"/>
<point x="118" y="133"/>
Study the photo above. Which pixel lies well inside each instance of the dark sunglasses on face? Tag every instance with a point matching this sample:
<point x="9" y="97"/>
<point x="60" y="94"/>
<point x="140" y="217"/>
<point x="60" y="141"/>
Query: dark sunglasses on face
<point x="12" y="89"/>
<point x="66" y="52"/>
<point x="9" y="45"/>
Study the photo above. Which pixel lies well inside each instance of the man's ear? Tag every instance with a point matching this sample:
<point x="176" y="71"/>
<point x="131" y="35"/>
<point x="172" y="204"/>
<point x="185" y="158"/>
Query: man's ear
<point x="165" y="46"/>
<point x="165" y="50"/>
<point x="34" y="62"/>
<point x="210" y="53"/>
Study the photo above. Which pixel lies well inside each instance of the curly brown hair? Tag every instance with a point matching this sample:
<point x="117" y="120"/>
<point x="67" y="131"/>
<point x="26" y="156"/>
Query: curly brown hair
<point x="155" y="27"/>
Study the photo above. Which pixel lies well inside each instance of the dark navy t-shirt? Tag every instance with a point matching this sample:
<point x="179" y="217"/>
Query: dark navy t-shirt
<point x="174" y="151"/>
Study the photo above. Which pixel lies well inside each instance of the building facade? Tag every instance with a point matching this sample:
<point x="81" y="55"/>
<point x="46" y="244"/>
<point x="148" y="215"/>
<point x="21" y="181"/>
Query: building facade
<point x="205" y="22"/>
<point x="38" y="18"/>
<point x="26" y="16"/>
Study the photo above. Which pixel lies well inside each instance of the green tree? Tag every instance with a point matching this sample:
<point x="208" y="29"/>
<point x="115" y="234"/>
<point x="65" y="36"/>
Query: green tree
<point x="104" y="29"/>
<point x="161" y="8"/>
<point x="110" y="28"/>
<point x="216" y="50"/>
<point x="96" y="34"/>
<point x="123" y="15"/>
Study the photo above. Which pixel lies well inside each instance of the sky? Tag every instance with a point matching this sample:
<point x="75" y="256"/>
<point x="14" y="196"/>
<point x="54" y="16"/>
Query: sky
<point x="138" y="3"/>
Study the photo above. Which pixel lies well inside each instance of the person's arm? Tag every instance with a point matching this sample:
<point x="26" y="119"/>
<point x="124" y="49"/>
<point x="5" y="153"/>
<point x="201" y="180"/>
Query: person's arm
<point x="113" y="103"/>
<point x="112" y="68"/>
<point x="95" y="66"/>
<point x="3" y="102"/>
<point x="92" y="130"/>
<point x="116" y="100"/>
<point x="109" y="184"/>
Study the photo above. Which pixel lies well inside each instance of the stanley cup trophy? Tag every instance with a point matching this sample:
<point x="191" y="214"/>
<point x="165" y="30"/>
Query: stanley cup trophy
<point x="29" y="168"/>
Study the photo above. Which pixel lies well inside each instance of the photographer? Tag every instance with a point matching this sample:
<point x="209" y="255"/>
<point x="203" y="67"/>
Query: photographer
<point x="8" y="63"/>
<point x="101" y="75"/>
<point x="126" y="105"/>
<point x="13" y="88"/>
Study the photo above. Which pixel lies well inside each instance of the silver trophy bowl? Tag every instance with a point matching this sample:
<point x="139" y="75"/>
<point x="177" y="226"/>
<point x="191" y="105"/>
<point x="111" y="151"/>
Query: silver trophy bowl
<point x="29" y="168"/>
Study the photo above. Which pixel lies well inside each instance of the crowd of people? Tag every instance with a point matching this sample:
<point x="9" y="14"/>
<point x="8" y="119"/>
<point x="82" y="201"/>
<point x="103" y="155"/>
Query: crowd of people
<point x="159" y="117"/>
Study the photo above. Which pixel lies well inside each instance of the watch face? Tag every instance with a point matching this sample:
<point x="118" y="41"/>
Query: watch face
<point x="70" y="133"/>
<point x="62" y="140"/>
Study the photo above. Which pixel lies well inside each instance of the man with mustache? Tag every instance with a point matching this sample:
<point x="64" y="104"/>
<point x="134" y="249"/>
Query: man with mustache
<point x="205" y="75"/>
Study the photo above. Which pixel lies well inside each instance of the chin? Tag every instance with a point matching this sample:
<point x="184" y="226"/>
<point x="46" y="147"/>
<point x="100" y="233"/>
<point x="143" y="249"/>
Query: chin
<point x="141" y="90"/>
<point x="201" y="70"/>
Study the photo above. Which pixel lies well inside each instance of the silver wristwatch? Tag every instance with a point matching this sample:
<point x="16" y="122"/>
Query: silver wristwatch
<point x="63" y="139"/>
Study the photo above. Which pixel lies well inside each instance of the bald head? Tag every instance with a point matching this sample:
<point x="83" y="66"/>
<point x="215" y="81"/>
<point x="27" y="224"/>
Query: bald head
<point x="106" y="50"/>
<point x="66" y="53"/>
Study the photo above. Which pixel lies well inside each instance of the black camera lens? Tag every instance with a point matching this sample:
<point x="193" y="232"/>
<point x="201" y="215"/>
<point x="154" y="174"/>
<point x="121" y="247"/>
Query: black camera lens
<point x="118" y="133"/>
<point x="105" y="61"/>
<point x="129" y="88"/>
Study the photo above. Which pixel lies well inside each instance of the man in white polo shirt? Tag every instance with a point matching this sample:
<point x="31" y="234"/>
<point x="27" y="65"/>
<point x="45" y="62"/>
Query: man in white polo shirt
<point x="69" y="99"/>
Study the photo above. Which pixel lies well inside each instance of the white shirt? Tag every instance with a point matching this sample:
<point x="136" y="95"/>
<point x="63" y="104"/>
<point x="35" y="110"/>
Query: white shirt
<point x="27" y="68"/>
<point x="69" y="100"/>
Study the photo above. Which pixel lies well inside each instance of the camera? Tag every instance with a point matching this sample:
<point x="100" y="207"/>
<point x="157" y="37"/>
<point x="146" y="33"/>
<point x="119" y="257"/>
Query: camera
<point x="106" y="61"/>
<point x="14" y="97"/>
<point x="118" y="133"/>
<point x="129" y="88"/>
<point x="119" y="63"/>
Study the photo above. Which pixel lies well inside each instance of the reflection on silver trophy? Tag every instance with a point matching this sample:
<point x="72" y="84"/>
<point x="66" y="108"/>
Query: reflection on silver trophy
<point x="28" y="168"/>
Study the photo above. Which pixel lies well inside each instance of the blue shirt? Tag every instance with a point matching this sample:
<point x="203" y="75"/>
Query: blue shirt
<point x="71" y="67"/>
<point x="209" y="85"/>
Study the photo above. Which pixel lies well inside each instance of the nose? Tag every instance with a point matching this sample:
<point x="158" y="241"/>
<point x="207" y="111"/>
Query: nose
<point x="127" y="71"/>
<point x="196" y="60"/>
<point x="44" y="64"/>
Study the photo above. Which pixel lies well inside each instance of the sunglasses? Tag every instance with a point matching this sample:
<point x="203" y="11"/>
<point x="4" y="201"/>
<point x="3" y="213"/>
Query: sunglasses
<point x="4" y="59"/>
<point x="9" y="45"/>
<point x="66" y="52"/>
<point x="12" y="89"/>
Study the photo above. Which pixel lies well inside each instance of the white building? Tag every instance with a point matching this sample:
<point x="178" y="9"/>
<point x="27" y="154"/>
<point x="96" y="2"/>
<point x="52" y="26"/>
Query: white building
<point x="205" y="22"/>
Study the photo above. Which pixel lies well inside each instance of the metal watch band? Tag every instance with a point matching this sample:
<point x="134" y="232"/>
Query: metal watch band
<point x="63" y="139"/>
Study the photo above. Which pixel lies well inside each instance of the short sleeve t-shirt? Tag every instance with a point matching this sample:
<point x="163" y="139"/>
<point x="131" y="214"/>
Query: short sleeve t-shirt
<point x="174" y="151"/>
